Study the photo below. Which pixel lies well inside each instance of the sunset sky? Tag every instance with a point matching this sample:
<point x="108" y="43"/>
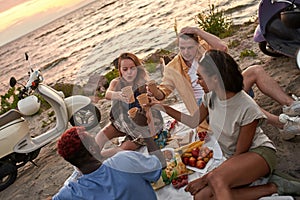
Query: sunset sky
<point x="19" y="17"/>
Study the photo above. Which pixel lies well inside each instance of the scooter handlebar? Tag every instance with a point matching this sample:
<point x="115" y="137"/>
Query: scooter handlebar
<point x="22" y="94"/>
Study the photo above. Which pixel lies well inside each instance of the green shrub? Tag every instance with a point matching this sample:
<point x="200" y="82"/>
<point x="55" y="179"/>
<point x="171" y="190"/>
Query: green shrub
<point x="9" y="100"/>
<point x="111" y="75"/>
<point x="44" y="104"/>
<point x="100" y="94"/>
<point x="233" y="43"/>
<point x="151" y="67"/>
<point x="46" y="123"/>
<point x="51" y="114"/>
<point x="68" y="89"/>
<point x="247" y="53"/>
<point x="214" y="22"/>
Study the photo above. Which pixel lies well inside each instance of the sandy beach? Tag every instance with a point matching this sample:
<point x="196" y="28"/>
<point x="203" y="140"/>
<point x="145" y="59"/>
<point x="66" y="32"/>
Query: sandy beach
<point x="46" y="179"/>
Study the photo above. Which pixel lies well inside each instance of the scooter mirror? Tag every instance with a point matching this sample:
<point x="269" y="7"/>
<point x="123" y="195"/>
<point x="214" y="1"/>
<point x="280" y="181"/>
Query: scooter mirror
<point x="12" y="81"/>
<point x="26" y="56"/>
<point x="298" y="58"/>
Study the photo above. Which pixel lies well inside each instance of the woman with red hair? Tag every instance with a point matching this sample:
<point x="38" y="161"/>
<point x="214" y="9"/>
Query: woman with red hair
<point x="131" y="73"/>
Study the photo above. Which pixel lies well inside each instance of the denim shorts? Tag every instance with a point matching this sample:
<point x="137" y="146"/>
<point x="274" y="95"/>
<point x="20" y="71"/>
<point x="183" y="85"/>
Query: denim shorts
<point x="199" y="101"/>
<point x="268" y="154"/>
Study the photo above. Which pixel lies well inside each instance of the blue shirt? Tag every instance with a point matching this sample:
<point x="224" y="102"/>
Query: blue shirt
<point x="127" y="175"/>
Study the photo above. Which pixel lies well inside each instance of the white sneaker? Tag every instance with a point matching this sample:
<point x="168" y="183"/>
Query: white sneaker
<point x="294" y="109"/>
<point x="291" y="124"/>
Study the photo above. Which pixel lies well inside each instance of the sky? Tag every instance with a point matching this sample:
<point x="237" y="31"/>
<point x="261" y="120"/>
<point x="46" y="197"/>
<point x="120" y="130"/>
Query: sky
<point x="19" y="17"/>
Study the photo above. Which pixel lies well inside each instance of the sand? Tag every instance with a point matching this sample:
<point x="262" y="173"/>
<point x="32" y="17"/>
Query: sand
<point x="46" y="179"/>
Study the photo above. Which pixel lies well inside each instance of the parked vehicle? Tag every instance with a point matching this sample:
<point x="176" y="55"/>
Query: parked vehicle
<point x="298" y="59"/>
<point x="278" y="32"/>
<point x="17" y="146"/>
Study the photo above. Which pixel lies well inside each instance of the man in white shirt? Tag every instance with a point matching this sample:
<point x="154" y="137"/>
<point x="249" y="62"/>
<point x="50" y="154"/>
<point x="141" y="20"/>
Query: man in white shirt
<point x="180" y="74"/>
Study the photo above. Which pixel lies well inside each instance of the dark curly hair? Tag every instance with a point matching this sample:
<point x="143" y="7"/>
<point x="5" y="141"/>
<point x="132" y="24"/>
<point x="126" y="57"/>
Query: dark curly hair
<point x="71" y="147"/>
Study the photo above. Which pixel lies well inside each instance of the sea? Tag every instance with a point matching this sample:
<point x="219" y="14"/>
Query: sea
<point x="84" y="42"/>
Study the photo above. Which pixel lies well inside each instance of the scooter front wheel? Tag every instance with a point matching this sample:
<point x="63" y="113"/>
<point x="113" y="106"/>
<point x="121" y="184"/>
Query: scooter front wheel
<point x="88" y="117"/>
<point x="8" y="174"/>
<point x="266" y="49"/>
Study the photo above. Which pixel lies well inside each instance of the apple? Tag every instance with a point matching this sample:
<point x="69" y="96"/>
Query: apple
<point x="211" y="154"/>
<point x="200" y="164"/>
<point x="206" y="159"/>
<point x="185" y="160"/>
<point x="192" y="161"/>
<point x="200" y="157"/>
<point x="203" y="153"/>
<point x="195" y="152"/>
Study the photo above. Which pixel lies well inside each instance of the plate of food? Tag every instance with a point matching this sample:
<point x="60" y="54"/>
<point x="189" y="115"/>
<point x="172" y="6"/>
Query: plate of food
<point x="175" y="172"/>
<point x="198" y="159"/>
<point x="199" y="155"/>
<point x="210" y="141"/>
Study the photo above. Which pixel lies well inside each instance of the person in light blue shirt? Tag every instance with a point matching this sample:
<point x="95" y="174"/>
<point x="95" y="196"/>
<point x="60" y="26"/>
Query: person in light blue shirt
<point x="126" y="175"/>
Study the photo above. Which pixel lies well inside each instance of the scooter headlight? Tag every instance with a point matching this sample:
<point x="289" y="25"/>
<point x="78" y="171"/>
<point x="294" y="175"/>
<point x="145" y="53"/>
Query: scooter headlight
<point x="29" y="105"/>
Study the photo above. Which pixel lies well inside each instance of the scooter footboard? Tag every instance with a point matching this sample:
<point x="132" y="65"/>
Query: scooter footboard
<point x="11" y="134"/>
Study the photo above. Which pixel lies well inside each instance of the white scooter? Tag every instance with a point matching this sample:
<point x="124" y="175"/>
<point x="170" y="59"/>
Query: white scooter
<point x="17" y="147"/>
<point x="298" y="58"/>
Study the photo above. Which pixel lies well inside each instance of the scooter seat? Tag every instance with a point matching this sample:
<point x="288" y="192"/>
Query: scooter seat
<point x="9" y="116"/>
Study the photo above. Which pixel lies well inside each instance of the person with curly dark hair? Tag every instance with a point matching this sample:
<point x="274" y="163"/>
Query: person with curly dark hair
<point x="126" y="175"/>
<point x="235" y="120"/>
